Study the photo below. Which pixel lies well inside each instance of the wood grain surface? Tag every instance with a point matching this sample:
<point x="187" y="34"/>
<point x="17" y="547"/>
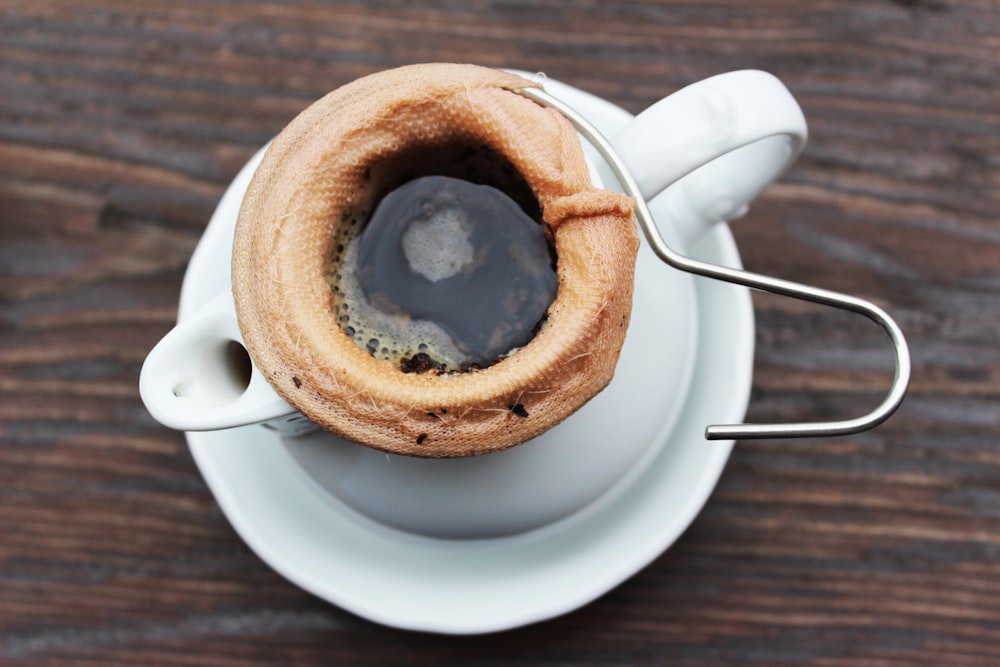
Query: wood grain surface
<point x="122" y="122"/>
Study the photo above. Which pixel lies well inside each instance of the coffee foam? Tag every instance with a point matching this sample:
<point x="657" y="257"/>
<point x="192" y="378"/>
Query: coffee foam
<point x="438" y="246"/>
<point x="438" y="226"/>
<point x="386" y="335"/>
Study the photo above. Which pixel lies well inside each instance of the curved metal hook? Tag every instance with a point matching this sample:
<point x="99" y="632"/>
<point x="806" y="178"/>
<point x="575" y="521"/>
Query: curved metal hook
<point x="901" y="378"/>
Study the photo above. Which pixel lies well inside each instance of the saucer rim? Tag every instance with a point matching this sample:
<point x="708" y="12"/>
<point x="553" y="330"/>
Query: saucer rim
<point x="718" y="242"/>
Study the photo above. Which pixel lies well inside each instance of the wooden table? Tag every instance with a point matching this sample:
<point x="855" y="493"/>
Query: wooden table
<point x="120" y="125"/>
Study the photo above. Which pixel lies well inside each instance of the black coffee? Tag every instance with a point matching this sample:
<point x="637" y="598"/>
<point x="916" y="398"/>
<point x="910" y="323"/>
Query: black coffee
<point x="445" y="275"/>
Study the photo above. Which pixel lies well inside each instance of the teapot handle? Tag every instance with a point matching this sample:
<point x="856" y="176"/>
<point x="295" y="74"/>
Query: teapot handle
<point x="646" y="223"/>
<point x="709" y="149"/>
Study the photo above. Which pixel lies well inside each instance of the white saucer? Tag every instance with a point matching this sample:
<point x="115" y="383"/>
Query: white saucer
<point x="474" y="586"/>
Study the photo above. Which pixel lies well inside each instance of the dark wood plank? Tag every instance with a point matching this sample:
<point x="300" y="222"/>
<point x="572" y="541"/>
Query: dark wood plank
<point x="122" y="122"/>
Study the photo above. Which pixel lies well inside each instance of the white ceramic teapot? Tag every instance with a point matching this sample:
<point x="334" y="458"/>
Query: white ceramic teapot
<point x="699" y="157"/>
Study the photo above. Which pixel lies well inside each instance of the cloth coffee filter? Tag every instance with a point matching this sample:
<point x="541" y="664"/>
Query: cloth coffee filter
<point x="320" y="165"/>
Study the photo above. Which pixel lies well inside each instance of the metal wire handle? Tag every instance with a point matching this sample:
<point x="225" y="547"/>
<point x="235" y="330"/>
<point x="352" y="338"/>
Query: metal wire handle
<point x="901" y="378"/>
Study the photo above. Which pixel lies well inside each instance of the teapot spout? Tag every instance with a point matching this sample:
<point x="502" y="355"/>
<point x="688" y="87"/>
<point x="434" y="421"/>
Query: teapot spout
<point x="199" y="377"/>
